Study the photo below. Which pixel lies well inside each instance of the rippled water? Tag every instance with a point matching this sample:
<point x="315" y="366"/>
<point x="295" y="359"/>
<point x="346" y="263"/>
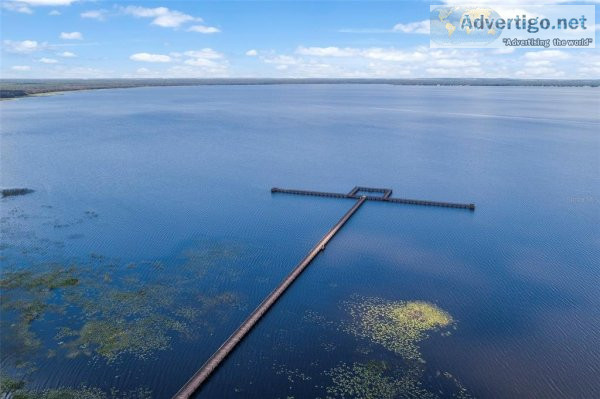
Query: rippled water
<point x="152" y="233"/>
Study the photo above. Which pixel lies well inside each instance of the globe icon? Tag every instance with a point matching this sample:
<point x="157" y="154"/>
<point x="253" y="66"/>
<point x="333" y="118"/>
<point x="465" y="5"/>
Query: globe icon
<point x="456" y="26"/>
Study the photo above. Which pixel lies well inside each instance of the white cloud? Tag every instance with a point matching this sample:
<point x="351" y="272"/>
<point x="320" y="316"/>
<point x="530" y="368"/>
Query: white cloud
<point x="590" y="69"/>
<point x="420" y="62"/>
<point x="456" y="63"/>
<point x="45" y="60"/>
<point x="516" y="2"/>
<point x="22" y="47"/>
<point x="537" y="72"/>
<point x="59" y="71"/>
<point x="455" y="72"/>
<point x="189" y="71"/>
<point x="252" y="53"/>
<point x="206" y="53"/>
<point x="99" y="15"/>
<point x="71" y="36"/>
<point x="16" y="6"/>
<point x="21" y="68"/>
<point x="162" y="16"/>
<point x="203" y="29"/>
<point x="203" y="62"/>
<point x="54" y="13"/>
<point x="394" y="55"/>
<point x="281" y="60"/>
<point x="327" y="51"/>
<point x="374" y="53"/>
<point x="147" y="57"/>
<point x="505" y="50"/>
<point x="421" y="27"/>
<point x="369" y="62"/>
<point x="546" y="55"/>
<point x="67" y="54"/>
<point x="537" y="64"/>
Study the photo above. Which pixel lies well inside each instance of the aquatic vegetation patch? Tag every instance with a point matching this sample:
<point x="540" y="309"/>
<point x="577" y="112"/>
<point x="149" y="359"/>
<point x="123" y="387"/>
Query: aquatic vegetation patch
<point x="365" y="381"/>
<point x="55" y="277"/>
<point x="201" y="260"/>
<point x="112" y="338"/>
<point x="27" y="296"/>
<point x="12" y="192"/>
<point x="375" y="380"/>
<point x="137" y="319"/>
<point x="292" y="375"/>
<point x="16" y="389"/>
<point x="398" y="326"/>
<point x="113" y="309"/>
<point x="387" y="359"/>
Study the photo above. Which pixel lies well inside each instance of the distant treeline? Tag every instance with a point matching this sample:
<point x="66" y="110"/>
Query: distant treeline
<point x="12" y="88"/>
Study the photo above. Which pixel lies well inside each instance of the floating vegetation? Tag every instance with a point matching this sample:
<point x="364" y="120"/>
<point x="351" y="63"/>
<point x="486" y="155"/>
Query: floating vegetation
<point x="201" y="260"/>
<point x="365" y="381"/>
<point x="62" y="304"/>
<point x="28" y="296"/>
<point x="376" y="380"/>
<point x="39" y="283"/>
<point x="292" y="375"/>
<point x="11" y="192"/>
<point x="397" y="369"/>
<point x="113" y="310"/>
<point x="15" y="389"/>
<point x="398" y="326"/>
<point x="10" y="385"/>
<point x="112" y="338"/>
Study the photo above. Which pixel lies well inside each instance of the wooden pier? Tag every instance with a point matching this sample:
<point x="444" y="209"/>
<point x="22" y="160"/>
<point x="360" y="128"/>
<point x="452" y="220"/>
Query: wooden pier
<point x="386" y="197"/>
<point x="196" y="381"/>
<point x="213" y="362"/>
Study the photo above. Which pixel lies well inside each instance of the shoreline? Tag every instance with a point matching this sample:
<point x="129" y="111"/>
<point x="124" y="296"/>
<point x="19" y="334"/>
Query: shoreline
<point x="12" y="89"/>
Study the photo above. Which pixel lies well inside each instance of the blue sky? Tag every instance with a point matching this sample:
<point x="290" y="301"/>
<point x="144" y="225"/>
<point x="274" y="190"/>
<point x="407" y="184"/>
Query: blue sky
<point x="108" y="39"/>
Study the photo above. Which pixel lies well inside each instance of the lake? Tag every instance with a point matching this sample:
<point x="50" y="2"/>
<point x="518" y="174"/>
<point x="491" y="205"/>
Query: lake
<point x="152" y="233"/>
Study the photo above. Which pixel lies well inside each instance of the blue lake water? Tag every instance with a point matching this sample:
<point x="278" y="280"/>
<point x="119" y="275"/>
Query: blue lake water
<point x="152" y="233"/>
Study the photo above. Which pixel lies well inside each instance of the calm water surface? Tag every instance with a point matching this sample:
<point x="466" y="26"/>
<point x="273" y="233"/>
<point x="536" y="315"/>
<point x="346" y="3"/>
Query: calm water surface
<point x="152" y="233"/>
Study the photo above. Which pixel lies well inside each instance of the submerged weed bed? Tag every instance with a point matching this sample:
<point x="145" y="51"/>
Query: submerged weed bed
<point x="15" y="389"/>
<point x="102" y="310"/>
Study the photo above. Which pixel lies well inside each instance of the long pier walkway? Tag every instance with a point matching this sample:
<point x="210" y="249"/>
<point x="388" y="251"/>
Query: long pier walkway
<point x="213" y="362"/>
<point x="194" y="383"/>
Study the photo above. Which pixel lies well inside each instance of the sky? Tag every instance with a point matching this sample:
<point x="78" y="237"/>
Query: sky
<point x="277" y="38"/>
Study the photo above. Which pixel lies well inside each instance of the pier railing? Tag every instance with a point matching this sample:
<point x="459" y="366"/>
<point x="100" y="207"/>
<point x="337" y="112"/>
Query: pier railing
<point x="386" y="197"/>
